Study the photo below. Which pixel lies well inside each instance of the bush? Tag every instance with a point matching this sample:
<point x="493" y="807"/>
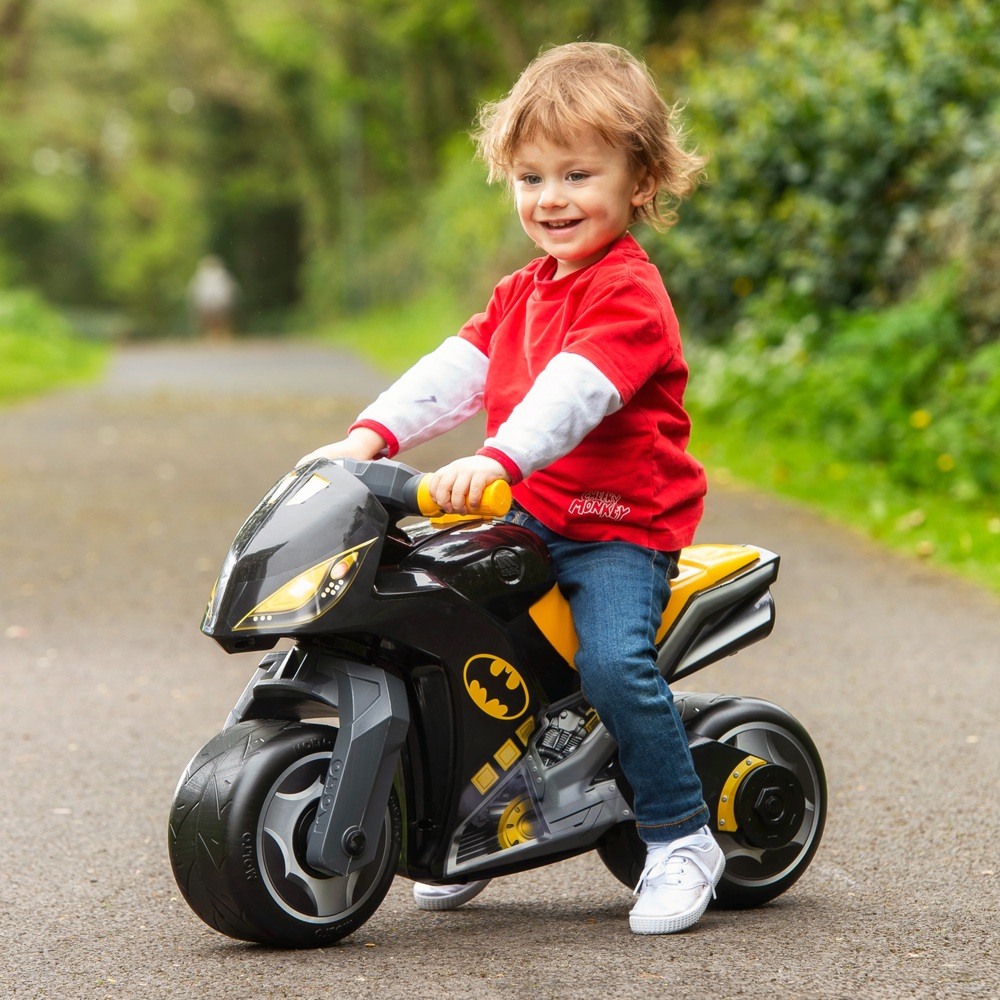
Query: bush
<point x="38" y="348"/>
<point x="898" y="388"/>
<point x="843" y="127"/>
<point x="963" y="231"/>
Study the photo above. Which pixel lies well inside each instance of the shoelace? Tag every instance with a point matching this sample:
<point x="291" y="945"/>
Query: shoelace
<point x="671" y="870"/>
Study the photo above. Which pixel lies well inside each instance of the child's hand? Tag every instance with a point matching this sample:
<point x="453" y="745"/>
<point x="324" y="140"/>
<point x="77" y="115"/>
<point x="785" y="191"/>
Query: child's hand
<point x="362" y="443"/>
<point x="464" y="478"/>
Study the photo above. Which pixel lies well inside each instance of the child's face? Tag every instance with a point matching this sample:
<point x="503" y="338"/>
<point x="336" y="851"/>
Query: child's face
<point x="575" y="201"/>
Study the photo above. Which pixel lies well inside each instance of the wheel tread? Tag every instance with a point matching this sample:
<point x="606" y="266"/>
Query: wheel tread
<point x="216" y="802"/>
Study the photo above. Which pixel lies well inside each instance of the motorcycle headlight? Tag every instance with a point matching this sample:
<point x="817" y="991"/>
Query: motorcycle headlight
<point x="310" y="594"/>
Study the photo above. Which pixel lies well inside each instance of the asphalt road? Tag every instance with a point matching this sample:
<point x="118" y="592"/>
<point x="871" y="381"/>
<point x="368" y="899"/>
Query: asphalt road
<point x="118" y="504"/>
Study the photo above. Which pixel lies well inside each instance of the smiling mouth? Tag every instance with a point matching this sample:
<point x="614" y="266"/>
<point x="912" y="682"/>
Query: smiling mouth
<point x="563" y="224"/>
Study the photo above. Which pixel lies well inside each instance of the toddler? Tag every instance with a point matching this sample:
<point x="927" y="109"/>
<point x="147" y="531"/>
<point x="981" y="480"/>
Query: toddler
<point x="577" y="362"/>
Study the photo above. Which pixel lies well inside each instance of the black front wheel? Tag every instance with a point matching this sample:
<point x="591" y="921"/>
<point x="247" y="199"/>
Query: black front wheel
<point x="237" y="839"/>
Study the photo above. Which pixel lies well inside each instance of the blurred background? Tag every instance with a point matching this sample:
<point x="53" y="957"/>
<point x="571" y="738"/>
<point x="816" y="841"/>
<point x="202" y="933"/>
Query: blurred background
<point x="836" y="275"/>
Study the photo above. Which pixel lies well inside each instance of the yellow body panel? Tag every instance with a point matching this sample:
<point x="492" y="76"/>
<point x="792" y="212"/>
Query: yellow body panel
<point x="701" y="567"/>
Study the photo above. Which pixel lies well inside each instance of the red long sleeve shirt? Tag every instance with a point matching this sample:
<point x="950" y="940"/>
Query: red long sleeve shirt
<point x="601" y="347"/>
<point x="631" y="477"/>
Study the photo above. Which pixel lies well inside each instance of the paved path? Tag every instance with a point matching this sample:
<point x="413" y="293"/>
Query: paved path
<point x="119" y="503"/>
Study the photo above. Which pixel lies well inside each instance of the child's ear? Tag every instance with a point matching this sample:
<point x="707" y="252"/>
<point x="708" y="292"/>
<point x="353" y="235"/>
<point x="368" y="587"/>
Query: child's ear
<point x="645" y="189"/>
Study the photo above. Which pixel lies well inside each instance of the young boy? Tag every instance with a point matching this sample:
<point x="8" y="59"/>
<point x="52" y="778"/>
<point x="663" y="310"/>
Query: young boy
<point x="577" y="361"/>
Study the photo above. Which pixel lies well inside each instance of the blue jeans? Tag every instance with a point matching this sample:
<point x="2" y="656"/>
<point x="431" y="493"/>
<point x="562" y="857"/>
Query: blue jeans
<point x="617" y="592"/>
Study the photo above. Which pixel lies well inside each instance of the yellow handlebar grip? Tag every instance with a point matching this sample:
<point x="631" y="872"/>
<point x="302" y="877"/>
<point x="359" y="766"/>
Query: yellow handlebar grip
<point x="427" y="506"/>
<point x="495" y="501"/>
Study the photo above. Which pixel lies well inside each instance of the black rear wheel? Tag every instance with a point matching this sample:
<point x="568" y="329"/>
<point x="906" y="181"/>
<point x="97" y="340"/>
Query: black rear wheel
<point x="754" y="874"/>
<point x="238" y="832"/>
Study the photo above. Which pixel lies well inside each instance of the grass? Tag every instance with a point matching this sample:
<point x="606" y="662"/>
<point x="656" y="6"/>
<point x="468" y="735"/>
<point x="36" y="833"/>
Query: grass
<point x="393" y="337"/>
<point x="39" y="350"/>
<point x="926" y="526"/>
<point x="959" y="537"/>
<point x="30" y="364"/>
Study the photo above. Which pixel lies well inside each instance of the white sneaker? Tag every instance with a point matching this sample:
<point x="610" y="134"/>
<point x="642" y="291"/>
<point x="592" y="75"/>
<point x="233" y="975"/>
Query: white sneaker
<point x="446" y="897"/>
<point x="677" y="884"/>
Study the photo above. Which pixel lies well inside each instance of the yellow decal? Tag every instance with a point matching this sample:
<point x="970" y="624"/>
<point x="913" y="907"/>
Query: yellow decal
<point x="555" y="621"/>
<point x="496" y="687"/>
<point x="484" y="779"/>
<point x="507" y="755"/>
<point x="525" y="730"/>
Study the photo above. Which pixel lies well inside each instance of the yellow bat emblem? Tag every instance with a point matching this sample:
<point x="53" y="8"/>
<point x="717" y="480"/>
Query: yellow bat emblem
<point x="496" y="687"/>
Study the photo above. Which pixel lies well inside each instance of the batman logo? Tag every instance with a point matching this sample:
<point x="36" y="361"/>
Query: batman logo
<point x="496" y="687"/>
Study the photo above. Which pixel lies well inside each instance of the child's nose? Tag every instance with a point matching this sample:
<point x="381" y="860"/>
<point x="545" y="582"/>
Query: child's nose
<point x="552" y="195"/>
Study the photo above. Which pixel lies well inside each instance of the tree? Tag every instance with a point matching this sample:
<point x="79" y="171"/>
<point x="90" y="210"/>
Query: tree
<point x="299" y="141"/>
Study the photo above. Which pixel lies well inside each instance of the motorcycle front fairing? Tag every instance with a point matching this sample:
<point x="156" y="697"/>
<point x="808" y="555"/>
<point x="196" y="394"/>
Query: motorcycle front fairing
<point x="312" y="543"/>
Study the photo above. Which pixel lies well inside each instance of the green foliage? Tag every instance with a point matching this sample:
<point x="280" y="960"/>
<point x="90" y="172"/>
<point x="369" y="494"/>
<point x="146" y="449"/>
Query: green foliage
<point x="395" y="335"/>
<point x="124" y="160"/>
<point x="899" y="389"/>
<point x="469" y="232"/>
<point x="296" y="141"/>
<point x="962" y="232"/>
<point x="38" y="348"/>
<point x="962" y="537"/>
<point x="834" y="135"/>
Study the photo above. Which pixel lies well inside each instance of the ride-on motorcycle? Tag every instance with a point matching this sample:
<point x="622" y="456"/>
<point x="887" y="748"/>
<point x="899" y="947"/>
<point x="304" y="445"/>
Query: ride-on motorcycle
<point x="427" y="718"/>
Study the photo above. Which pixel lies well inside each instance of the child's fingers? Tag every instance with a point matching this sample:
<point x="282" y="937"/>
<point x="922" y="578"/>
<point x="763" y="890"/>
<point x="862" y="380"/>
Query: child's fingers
<point x="443" y="488"/>
<point x="459" y="490"/>
<point x="475" y="491"/>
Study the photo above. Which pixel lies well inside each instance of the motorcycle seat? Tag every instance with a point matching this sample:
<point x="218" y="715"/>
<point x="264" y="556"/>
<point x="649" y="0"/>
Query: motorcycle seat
<point x="700" y="567"/>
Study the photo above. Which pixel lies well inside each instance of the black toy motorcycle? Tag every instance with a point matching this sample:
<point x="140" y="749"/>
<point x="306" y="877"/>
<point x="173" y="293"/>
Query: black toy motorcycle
<point x="427" y="718"/>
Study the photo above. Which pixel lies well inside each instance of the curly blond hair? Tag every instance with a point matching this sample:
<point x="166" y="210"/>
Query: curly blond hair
<point x="593" y="86"/>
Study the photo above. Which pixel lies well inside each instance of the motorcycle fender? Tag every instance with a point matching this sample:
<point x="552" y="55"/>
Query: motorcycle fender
<point x="286" y="685"/>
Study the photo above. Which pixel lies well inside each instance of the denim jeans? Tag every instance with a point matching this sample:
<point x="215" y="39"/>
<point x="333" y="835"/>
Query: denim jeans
<point x="617" y="592"/>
